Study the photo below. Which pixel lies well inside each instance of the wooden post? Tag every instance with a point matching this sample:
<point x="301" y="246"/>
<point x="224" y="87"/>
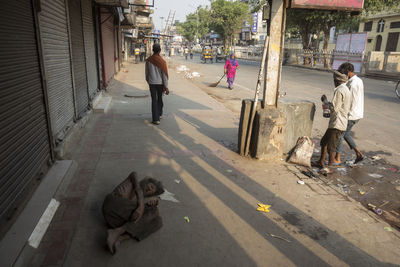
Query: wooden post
<point x="275" y="52"/>
<point x="257" y="92"/>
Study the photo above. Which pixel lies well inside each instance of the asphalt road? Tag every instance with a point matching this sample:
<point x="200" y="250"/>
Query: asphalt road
<point x="377" y="133"/>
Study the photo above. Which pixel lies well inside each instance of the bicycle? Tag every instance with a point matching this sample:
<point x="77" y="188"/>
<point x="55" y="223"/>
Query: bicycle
<point x="397" y="89"/>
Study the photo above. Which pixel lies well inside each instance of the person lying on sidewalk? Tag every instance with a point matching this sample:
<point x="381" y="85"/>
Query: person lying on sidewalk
<point x="356" y="111"/>
<point x="339" y="110"/>
<point x="131" y="211"/>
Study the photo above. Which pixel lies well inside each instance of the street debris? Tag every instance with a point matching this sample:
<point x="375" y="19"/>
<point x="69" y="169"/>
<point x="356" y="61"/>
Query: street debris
<point x="361" y="191"/>
<point x="136" y="96"/>
<point x="186" y="219"/>
<point x="195" y="74"/>
<point x="279" y="237"/>
<point x="375" y="175"/>
<point x="228" y="170"/>
<point x="181" y="68"/>
<point x="309" y="174"/>
<point x="388" y="228"/>
<point x="375" y="209"/>
<point x="177" y="181"/>
<point x="342" y="171"/>
<point x="376" y="157"/>
<point x="300" y="182"/>
<point x="392" y="169"/>
<point x="263" y="207"/>
<point x="168" y="196"/>
<point x="302" y="152"/>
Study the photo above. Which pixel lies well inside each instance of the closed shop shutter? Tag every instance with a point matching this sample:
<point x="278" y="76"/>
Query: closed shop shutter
<point x="107" y="42"/>
<point x="90" y="47"/>
<point x="57" y="64"/>
<point x="24" y="135"/>
<point x="78" y="56"/>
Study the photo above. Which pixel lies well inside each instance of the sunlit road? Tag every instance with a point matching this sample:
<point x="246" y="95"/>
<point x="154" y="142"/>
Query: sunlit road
<point x="379" y="131"/>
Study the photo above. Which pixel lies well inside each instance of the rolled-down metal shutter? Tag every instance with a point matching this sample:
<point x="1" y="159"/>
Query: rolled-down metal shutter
<point x="107" y="41"/>
<point x="57" y="63"/>
<point x="24" y="135"/>
<point x="78" y="56"/>
<point x="90" y="47"/>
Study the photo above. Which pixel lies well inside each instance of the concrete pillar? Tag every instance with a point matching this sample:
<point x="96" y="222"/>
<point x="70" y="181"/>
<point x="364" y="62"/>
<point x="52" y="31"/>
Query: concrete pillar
<point x="275" y="52"/>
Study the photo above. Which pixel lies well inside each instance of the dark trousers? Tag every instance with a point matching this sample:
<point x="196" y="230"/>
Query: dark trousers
<point x="156" y="101"/>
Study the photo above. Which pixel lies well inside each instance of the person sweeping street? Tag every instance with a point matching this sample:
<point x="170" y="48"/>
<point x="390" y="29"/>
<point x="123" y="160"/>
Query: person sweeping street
<point x="230" y="70"/>
<point x="157" y="78"/>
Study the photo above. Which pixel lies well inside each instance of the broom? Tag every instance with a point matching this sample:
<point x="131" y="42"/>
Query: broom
<point x="215" y="84"/>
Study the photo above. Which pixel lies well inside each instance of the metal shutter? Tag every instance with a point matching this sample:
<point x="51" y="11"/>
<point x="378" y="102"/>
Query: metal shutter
<point x="78" y="56"/>
<point x="90" y="47"/>
<point x="57" y="63"/>
<point x="107" y="41"/>
<point x="24" y="135"/>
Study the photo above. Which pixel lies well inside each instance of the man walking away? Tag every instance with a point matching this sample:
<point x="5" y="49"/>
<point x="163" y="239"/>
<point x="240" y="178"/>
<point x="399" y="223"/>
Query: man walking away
<point x="339" y="108"/>
<point x="157" y="78"/>
<point x="142" y="53"/>
<point x="356" y="111"/>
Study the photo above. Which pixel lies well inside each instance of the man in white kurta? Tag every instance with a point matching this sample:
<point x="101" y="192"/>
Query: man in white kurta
<point x="356" y="111"/>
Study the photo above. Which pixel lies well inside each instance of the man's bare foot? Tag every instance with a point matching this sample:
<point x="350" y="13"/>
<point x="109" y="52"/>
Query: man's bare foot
<point x="112" y="237"/>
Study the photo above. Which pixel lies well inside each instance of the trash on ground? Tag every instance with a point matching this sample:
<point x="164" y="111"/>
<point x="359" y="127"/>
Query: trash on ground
<point x="308" y="174"/>
<point x="382" y="168"/>
<point x="375" y="209"/>
<point x="263" y="207"/>
<point x="376" y="157"/>
<point x="325" y="171"/>
<point x="392" y="169"/>
<point x="181" y="68"/>
<point x="397" y="188"/>
<point x="228" y="170"/>
<point x="308" y="196"/>
<point x="186" y="219"/>
<point x="342" y="171"/>
<point x="136" y="96"/>
<point x="388" y="228"/>
<point x="279" y="237"/>
<point x="375" y="175"/>
<point x="361" y="191"/>
<point x="384" y="203"/>
<point x="195" y="74"/>
<point x="300" y="182"/>
<point x="177" y="181"/>
<point x="168" y="196"/>
<point x="316" y="150"/>
<point x="302" y="152"/>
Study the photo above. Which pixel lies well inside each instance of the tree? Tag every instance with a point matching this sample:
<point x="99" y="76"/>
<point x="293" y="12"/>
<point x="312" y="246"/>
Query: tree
<point x="196" y="24"/>
<point x="228" y="17"/>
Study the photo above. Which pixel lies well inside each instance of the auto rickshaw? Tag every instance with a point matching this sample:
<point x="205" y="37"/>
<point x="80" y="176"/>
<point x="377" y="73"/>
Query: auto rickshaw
<point x="207" y="53"/>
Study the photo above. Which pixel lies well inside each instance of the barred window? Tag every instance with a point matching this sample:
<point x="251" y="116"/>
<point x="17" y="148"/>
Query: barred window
<point x="395" y="25"/>
<point x="368" y="26"/>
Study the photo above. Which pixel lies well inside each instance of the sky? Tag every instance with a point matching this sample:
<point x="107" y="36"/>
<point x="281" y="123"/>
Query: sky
<point x="182" y="8"/>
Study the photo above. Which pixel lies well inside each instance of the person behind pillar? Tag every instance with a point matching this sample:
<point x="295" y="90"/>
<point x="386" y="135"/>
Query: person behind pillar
<point x="339" y="110"/>
<point x="356" y="112"/>
<point x="157" y="78"/>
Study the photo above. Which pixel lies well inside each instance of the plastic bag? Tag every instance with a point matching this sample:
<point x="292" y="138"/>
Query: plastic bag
<point x="302" y="152"/>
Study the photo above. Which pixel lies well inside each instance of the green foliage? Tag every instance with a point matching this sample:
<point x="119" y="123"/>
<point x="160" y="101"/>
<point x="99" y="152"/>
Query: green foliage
<point x="196" y="24"/>
<point x="315" y="21"/>
<point x="228" y="16"/>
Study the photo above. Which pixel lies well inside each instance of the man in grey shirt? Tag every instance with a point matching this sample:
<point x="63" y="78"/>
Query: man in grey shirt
<point x="157" y="78"/>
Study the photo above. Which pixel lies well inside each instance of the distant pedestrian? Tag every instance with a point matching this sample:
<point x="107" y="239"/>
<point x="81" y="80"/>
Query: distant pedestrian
<point x="157" y="78"/>
<point x="142" y="53"/>
<point x="131" y="211"/>
<point x="339" y="110"/>
<point x="230" y="70"/>
<point x="356" y="112"/>
<point x="137" y="54"/>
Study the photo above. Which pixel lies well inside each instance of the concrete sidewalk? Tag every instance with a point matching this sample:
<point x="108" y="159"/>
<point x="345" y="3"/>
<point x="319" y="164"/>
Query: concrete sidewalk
<point x="193" y="153"/>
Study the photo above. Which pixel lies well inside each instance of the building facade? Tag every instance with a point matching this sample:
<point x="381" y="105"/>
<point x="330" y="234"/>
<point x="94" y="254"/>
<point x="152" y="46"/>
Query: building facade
<point x="383" y="32"/>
